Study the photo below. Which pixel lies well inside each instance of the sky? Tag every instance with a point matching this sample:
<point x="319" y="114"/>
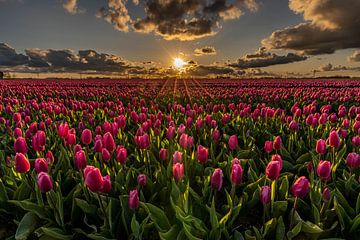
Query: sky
<point x="237" y="38"/>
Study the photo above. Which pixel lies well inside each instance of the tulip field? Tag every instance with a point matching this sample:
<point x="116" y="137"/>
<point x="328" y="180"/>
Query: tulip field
<point x="180" y="159"/>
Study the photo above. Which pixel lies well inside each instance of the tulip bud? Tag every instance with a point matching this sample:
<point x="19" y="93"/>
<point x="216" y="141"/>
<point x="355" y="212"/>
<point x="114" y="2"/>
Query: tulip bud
<point x="44" y="182"/>
<point x="93" y="179"/>
<point x="22" y="164"/>
<point x="177" y="157"/>
<point x="353" y="160"/>
<point x="121" y="154"/>
<point x="236" y="174"/>
<point x="216" y="135"/>
<point x="293" y="126"/>
<point x="170" y="133"/>
<point x="41" y="165"/>
<point x="355" y="141"/>
<point x="77" y="148"/>
<point x="265" y="195"/>
<point x="300" y="187"/>
<point x="63" y="130"/>
<point x="108" y="142"/>
<point x="217" y="179"/>
<point x="105" y="155"/>
<point x="17" y="133"/>
<point x="183" y="141"/>
<point x="134" y="199"/>
<point x="80" y="160"/>
<point x="273" y="170"/>
<point x="163" y="154"/>
<point x="321" y="146"/>
<point x="50" y="157"/>
<point x="334" y="139"/>
<point x="326" y="195"/>
<point x="98" y="146"/>
<point x="268" y="146"/>
<point x="277" y="157"/>
<point x="310" y="167"/>
<point x="202" y="154"/>
<point x="324" y="170"/>
<point x="277" y="143"/>
<point x="178" y="171"/>
<point x="142" y="180"/>
<point x="20" y="145"/>
<point x="106" y="184"/>
<point x="233" y="142"/>
<point x="86" y="137"/>
<point x="71" y="139"/>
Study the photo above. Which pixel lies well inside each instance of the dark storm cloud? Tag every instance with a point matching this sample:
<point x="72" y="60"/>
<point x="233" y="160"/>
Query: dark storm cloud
<point x="208" y="50"/>
<point x="330" y="25"/>
<point x="176" y="19"/>
<point x="355" y="57"/>
<point x="9" y="57"/>
<point x="69" y="61"/>
<point x="262" y="58"/>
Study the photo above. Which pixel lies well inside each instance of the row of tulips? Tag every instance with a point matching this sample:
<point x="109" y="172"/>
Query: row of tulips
<point x="115" y="167"/>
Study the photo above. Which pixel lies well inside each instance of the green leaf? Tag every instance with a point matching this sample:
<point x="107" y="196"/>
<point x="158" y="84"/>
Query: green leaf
<point x="56" y="233"/>
<point x="41" y="212"/>
<point x="284" y="188"/>
<point x="26" y="226"/>
<point x="280" y="208"/>
<point x="344" y="203"/>
<point x="86" y="207"/>
<point x="269" y="226"/>
<point x="171" y="234"/>
<point x="343" y="217"/>
<point x="3" y="193"/>
<point x="280" y="229"/>
<point x="358" y="204"/>
<point x="355" y="224"/>
<point x="310" y="227"/>
<point x="135" y="227"/>
<point x="316" y="214"/>
<point x="294" y="232"/>
<point x="158" y="216"/>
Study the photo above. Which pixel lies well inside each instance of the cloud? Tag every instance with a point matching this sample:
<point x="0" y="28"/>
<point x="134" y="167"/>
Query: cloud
<point x="66" y="60"/>
<point x="263" y="58"/>
<point x="355" y="57"/>
<point x="9" y="57"/>
<point x="71" y="6"/>
<point x="116" y="14"/>
<point x="330" y="68"/>
<point x="329" y="25"/>
<point x="208" y="50"/>
<point x="176" y="19"/>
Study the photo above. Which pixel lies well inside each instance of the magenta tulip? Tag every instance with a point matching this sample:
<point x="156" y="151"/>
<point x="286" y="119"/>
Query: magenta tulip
<point x="300" y="187"/>
<point x="44" y="182"/>
<point x="217" y="179"/>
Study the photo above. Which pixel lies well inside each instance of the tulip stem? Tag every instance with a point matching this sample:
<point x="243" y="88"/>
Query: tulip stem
<point x="273" y="191"/>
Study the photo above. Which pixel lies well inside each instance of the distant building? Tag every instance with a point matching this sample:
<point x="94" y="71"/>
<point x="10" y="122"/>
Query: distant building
<point x="1" y="75"/>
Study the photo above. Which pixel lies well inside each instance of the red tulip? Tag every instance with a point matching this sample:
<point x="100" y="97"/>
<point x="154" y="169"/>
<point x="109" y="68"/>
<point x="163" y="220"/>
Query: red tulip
<point x="217" y="179"/>
<point x="105" y="155"/>
<point x="353" y="160"/>
<point x="268" y="146"/>
<point x="44" y="182"/>
<point x="178" y="171"/>
<point x="41" y="165"/>
<point x="233" y="142"/>
<point x="277" y="157"/>
<point x="293" y="126"/>
<point x="300" y="187"/>
<point x="143" y="141"/>
<point x="273" y="170"/>
<point x="163" y="154"/>
<point x="134" y="199"/>
<point x="121" y="154"/>
<point x="86" y="137"/>
<point x="177" y="157"/>
<point x="183" y="141"/>
<point x="142" y="180"/>
<point x="20" y="145"/>
<point x="77" y="148"/>
<point x="17" y="133"/>
<point x="265" y="195"/>
<point x="22" y="164"/>
<point x="98" y="146"/>
<point x="108" y="142"/>
<point x="356" y="141"/>
<point x="324" y="170"/>
<point x="93" y="179"/>
<point x="50" y="157"/>
<point x="321" y="146"/>
<point x="170" y="133"/>
<point x="63" y="130"/>
<point x="236" y="174"/>
<point x="326" y="195"/>
<point x="277" y="143"/>
<point x="80" y="160"/>
<point x="216" y="135"/>
<point x="106" y="184"/>
<point x="334" y="139"/>
<point x="202" y="154"/>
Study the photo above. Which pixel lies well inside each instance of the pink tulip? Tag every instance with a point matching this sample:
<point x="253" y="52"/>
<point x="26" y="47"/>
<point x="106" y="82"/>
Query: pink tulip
<point x="334" y="139"/>
<point x="233" y="142"/>
<point x="44" y="182"/>
<point x="236" y="174"/>
<point x="324" y="170"/>
<point x="121" y="154"/>
<point x="105" y="155"/>
<point x="41" y="165"/>
<point x="178" y="171"/>
<point x="93" y="179"/>
<point x="142" y="180"/>
<point x="202" y="154"/>
<point x="86" y="137"/>
<point x="353" y="160"/>
<point x="108" y="142"/>
<point x="321" y="146"/>
<point x="133" y="199"/>
<point x="326" y="195"/>
<point x="177" y="157"/>
<point x="277" y="144"/>
<point x="268" y="146"/>
<point x="273" y="170"/>
<point x="217" y="179"/>
<point x="20" y="145"/>
<point x="106" y="184"/>
<point x="163" y="154"/>
<point x="80" y="160"/>
<point x="265" y="195"/>
<point x="22" y="164"/>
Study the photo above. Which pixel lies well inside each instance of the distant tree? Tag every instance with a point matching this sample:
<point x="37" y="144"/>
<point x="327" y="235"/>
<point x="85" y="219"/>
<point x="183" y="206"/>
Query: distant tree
<point x="1" y="75"/>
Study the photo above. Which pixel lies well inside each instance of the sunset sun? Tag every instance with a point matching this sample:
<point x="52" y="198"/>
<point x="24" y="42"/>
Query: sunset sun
<point x="179" y="63"/>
